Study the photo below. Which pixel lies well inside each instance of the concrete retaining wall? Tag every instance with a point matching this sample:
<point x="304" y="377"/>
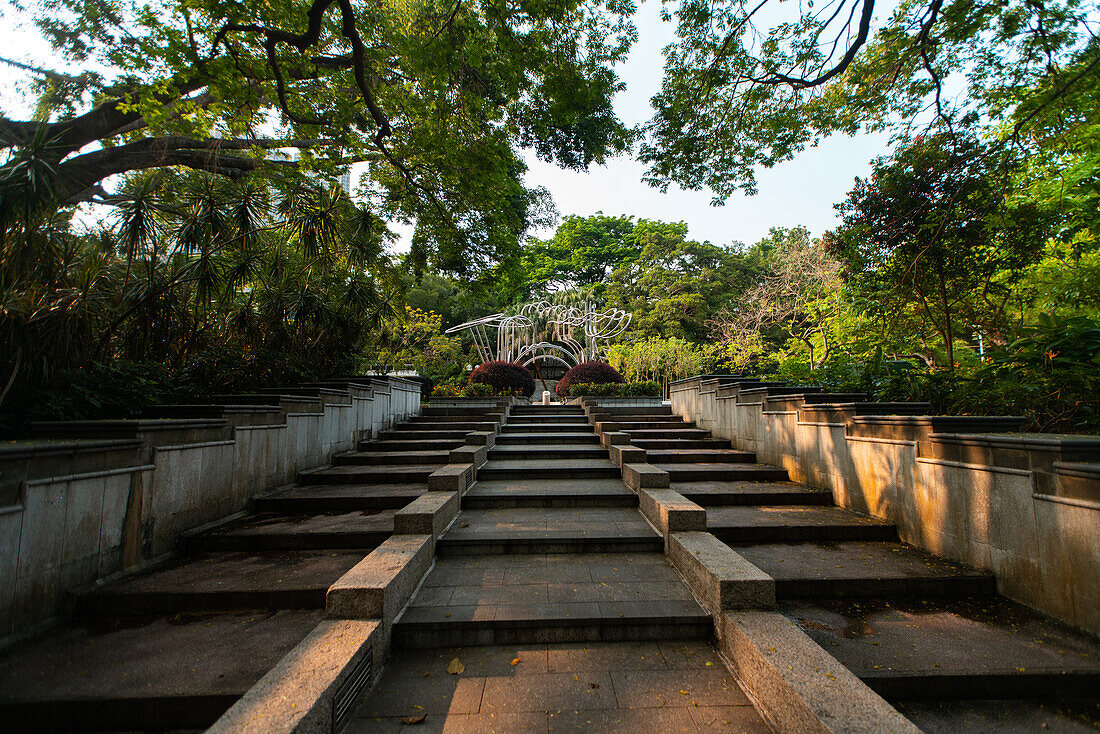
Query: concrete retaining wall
<point x="1024" y="506"/>
<point x="96" y="498"/>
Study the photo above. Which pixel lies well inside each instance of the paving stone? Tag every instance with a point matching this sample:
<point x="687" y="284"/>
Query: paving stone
<point x="655" y="688"/>
<point x="829" y="570"/>
<point x="361" y="529"/>
<point x="711" y="494"/>
<point x="740" y="719"/>
<point x="1003" y="717"/>
<point x="549" y="692"/>
<point x="337" y="497"/>
<point x="606" y="656"/>
<point x="794" y="522"/>
<point x="964" y="648"/>
<point x="616" y="720"/>
<point x="405" y="696"/>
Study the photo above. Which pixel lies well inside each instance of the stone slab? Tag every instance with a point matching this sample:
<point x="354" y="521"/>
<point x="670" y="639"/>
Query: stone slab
<point x="639" y="476"/>
<point x="974" y="648"/>
<point x="270" y="531"/>
<point x="720" y="578"/>
<point x="334" y="497"/>
<point x="154" y="673"/>
<point x="829" y="570"/>
<point x="383" y="582"/>
<point x="777" y="523"/>
<point x="799" y="686"/>
<point x="429" y="514"/>
<point x="297" y="694"/>
<point x="670" y="511"/>
<point x="451" y="478"/>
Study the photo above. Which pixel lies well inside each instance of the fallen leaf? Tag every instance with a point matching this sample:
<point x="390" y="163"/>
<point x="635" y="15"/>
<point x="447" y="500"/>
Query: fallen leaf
<point x="515" y="661"/>
<point x="410" y="720"/>
<point x="594" y="685"/>
<point x="456" y="667"/>
<point x="709" y="664"/>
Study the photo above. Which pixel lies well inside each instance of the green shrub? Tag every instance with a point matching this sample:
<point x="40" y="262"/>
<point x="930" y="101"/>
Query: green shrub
<point x="597" y="373"/>
<point x="505" y="378"/>
<point x="612" y="389"/>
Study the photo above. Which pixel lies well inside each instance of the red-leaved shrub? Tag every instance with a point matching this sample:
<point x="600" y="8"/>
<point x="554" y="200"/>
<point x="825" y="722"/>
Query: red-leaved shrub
<point x="507" y="378"/>
<point x="597" y="373"/>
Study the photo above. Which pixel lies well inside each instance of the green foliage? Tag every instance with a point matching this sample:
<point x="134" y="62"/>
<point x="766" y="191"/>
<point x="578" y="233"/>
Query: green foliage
<point x="582" y="252"/>
<point x="456" y="389"/>
<point x="662" y="361"/>
<point x="613" y="389"/>
<point x="596" y="373"/>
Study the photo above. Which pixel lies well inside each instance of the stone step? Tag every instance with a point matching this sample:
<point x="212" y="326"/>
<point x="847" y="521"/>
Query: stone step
<point x="505" y="599"/>
<point x="404" y="444"/>
<point x="1066" y="716"/>
<point x="721" y="472"/>
<point x="358" y="474"/>
<point x="219" y="582"/>
<point x="680" y="443"/>
<point x="490" y="494"/>
<point x="339" y="497"/>
<point x="528" y="530"/>
<point x="789" y="523"/>
<point x="518" y="427"/>
<point x="419" y="435"/>
<point x="851" y="569"/>
<point x="666" y="433"/>
<point x="549" y="469"/>
<point x="556" y="451"/>
<point x="542" y="439"/>
<point x="630" y="411"/>
<point x="443" y="419"/>
<point x="540" y="410"/>
<point x="545" y="419"/>
<point x="168" y="673"/>
<point x="447" y="411"/>
<point x="671" y="424"/>
<point x="976" y="648"/>
<point x="434" y="425"/>
<point x="360" y="530"/>
<point x="717" y="494"/>
<point x="700" y="456"/>
<point x="379" y="458"/>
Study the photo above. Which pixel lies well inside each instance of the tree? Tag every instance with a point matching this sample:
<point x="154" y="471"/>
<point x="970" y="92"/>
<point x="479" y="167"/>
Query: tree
<point x="737" y="95"/>
<point x="434" y="96"/>
<point x="676" y="285"/>
<point x="931" y="230"/>
<point x="799" y="297"/>
<point x="582" y="252"/>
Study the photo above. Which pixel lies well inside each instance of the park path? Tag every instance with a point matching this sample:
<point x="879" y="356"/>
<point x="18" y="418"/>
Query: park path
<point x="552" y="608"/>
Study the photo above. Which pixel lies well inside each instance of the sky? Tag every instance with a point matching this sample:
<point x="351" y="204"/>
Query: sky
<point x="798" y="192"/>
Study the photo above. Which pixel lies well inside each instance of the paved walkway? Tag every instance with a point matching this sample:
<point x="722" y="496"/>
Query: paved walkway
<point x="552" y="608"/>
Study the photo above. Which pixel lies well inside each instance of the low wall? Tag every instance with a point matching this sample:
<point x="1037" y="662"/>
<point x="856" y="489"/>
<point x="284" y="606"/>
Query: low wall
<point x="95" y="498"/>
<point x="1023" y="506"/>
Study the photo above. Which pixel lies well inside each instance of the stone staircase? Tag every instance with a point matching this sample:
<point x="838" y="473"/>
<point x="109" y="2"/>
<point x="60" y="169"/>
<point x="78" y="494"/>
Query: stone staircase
<point x="551" y="606"/>
<point x="930" y="635"/>
<point x="174" y="646"/>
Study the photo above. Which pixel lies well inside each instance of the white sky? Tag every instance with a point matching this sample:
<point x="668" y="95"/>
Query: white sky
<point x="799" y="192"/>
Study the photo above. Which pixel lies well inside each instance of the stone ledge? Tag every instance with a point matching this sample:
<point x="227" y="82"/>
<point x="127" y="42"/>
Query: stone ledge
<point x="720" y="577"/>
<point x="380" y="585"/>
<point x="614" y="438"/>
<point x="476" y="455"/>
<point x="297" y="694"/>
<point x="488" y="439"/>
<point x="451" y="478"/>
<point x="798" y="685"/>
<point x="428" y="514"/>
<point x="626" y="454"/>
<point x="671" y="512"/>
<point x="644" y="476"/>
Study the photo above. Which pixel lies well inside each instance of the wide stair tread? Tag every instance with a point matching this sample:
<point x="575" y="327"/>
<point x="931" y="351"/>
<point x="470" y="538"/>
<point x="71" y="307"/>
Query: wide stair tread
<point x="532" y="530"/>
<point x="444" y="426"/>
<point x="363" y="473"/>
<point x="554" y="451"/>
<point x="548" y="468"/>
<point x="431" y="444"/>
<point x="983" y="647"/>
<point x="824" y="570"/>
<point x="699" y="456"/>
<point x="172" y="672"/>
<point x="501" y="493"/>
<point x="680" y="443"/>
<point x="336" y="497"/>
<point x="522" y="427"/>
<point x="503" y="599"/>
<point x="382" y="458"/>
<point x="784" y="523"/>
<point x="714" y="494"/>
<point x="211" y="582"/>
<point x="512" y="439"/>
<point x="363" y="530"/>
<point x="423" y="434"/>
<point x="696" y="471"/>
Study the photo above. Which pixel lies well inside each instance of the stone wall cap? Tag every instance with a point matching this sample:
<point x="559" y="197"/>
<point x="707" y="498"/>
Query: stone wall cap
<point x="1078" y="469"/>
<point x="52" y="447"/>
<point x="1033" y="441"/>
<point x="130" y="425"/>
<point x="780" y="390"/>
<point x="934" y="420"/>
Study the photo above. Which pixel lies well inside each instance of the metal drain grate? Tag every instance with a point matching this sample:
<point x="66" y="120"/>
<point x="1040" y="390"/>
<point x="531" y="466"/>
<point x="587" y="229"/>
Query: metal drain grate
<point x="348" y="692"/>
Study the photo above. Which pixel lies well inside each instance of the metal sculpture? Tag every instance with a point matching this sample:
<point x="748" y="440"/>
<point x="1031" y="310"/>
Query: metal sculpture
<point x="545" y="331"/>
